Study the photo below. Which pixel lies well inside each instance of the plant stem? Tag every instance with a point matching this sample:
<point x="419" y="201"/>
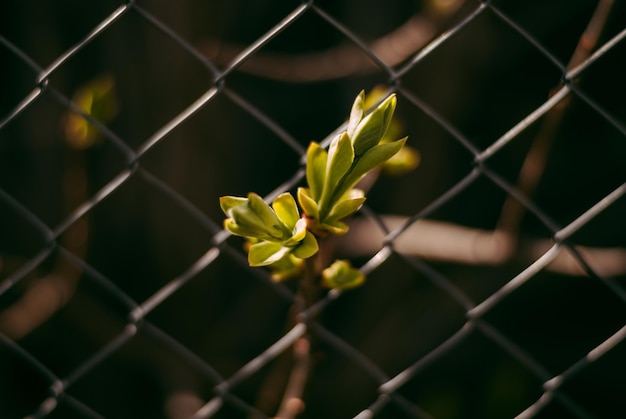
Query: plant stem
<point x="292" y="403"/>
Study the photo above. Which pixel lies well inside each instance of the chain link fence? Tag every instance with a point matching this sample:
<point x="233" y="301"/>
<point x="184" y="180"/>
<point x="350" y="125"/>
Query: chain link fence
<point x="495" y="270"/>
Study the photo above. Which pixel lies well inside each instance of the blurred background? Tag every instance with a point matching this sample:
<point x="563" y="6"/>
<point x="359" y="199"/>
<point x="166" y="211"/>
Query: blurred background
<point x="70" y="278"/>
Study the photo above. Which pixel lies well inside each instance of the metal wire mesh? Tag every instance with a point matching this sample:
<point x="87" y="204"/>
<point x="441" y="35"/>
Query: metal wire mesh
<point x="488" y="295"/>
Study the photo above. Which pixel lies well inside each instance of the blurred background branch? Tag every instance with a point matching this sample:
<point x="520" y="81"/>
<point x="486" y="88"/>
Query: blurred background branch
<point x="344" y="60"/>
<point x="448" y="242"/>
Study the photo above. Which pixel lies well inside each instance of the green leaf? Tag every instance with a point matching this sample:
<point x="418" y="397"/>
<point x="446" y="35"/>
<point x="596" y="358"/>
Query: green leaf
<point x="298" y="232"/>
<point x="344" y="208"/>
<point x="229" y="202"/>
<point x="372" y="128"/>
<point x="335" y="227"/>
<point x="265" y="253"/>
<point x="307" y="248"/>
<point x="367" y="134"/>
<point x="287" y="267"/>
<point x="389" y="108"/>
<point x="316" y="158"/>
<point x="372" y="158"/>
<point x="353" y="194"/>
<point x="342" y="275"/>
<point x="286" y="209"/>
<point x="273" y="225"/>
<point x="246" y="223"/>
<point x="253" y="217"/>
<point x="340" y="158"/>
<point x="356" y="114"/>
<point x="309" y="206"/>
<point x="238" y="230"/>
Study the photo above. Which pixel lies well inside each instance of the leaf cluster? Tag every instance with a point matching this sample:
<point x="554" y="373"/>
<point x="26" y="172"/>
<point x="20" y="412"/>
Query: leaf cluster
<point x="282" y="238"/>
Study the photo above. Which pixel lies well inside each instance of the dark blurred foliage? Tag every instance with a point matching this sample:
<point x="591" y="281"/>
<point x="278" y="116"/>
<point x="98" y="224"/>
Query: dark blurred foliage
<point x="483" y="80"/>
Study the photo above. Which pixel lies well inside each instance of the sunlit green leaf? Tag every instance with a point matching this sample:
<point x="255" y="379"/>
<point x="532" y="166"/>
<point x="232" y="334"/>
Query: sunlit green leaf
<point x="367" y="135"/>
<point x="340" y="159"/>
<point x="316" y="158"/>
<point x="372" y="128"/>
<point x="309" y="206"/>
<point x="353" y="193"/>
<point x="335" y="227"/>
<point x="307" y="248"/>
<point x="298" y="233"/>
<point x="265" y="253"/>
<point x="229" y="202"/>
<point x="286" y="209"/>
<point x="245" y="222"/>
<point x="265" y="214"/>
<point x="389" y="108"/>
<point x="356" y="114"/>
<point x="344" y="208"/>
<point x="237" y="229"/>
<point x="372" y="158"/>
<point x="377" y="93"/>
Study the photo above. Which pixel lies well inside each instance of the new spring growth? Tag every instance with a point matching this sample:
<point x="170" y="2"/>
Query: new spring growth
<point x="275" y="231"/>
<point x="331" y="175"/>
<point x="279" y="237"/>
<point x="342" y="275"/>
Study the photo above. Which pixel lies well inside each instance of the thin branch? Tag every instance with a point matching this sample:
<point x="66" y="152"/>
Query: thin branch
<point x="292" y="404"/>
<point x="290" y="373"/>
<point x="535" y="162"/>
<point x="339" y="61"/>
<point x="447" y="242"/>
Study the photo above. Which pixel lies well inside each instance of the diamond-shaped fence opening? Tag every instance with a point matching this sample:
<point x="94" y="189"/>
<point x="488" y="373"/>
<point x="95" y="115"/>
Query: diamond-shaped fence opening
<point x="494" y="271"/>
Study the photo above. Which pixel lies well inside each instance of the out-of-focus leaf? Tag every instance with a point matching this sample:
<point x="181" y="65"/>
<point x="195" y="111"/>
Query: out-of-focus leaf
<point x="342" y="275"/>
<point x="97" y="99"/>
<point x="405" y="160"/>
<point x="287" y="267"/>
